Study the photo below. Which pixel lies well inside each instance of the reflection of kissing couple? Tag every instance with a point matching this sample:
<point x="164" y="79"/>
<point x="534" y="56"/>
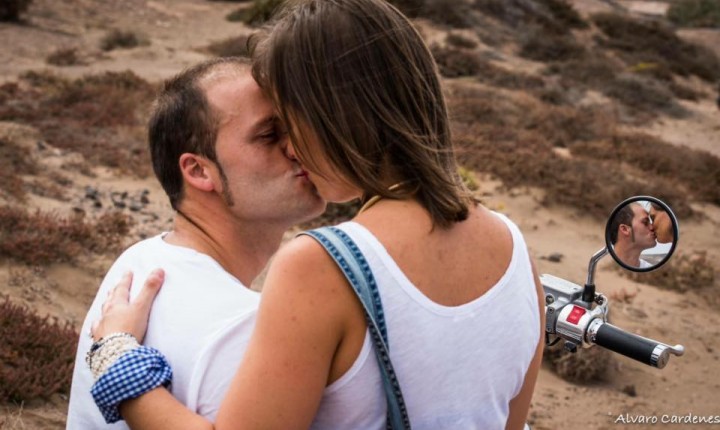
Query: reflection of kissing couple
<point x="634" y="229"/>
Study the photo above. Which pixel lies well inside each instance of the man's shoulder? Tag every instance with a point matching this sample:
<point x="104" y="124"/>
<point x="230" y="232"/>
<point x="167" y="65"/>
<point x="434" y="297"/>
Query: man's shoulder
<point x="153" y="242"/>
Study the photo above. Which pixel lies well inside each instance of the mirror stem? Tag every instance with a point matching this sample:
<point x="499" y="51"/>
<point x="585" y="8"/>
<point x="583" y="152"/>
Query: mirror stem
<point x="588" y="295"/>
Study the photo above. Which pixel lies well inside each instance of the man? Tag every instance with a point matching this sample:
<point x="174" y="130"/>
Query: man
<point x="632" y="232"/>
<point x="219" y="152"/>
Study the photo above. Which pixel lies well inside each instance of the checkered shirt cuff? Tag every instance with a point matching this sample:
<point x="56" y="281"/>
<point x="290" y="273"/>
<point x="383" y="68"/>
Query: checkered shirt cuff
<point x="136" y="372"/>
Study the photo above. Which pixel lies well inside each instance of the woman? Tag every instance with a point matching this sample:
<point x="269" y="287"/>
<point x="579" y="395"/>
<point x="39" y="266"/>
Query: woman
<point x="662" y="223"/>
<point x="367" y="119"/>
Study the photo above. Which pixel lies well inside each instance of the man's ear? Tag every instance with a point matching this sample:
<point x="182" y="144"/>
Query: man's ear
<point x="197" y="171"/>
<point x="624" y="229"/>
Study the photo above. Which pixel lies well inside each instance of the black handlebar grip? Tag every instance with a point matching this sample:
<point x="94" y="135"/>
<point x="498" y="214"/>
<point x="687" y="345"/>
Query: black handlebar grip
<point x="627" y="344"/>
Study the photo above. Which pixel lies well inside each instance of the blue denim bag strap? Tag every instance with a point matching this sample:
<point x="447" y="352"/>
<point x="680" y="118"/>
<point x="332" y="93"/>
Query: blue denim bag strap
<point x="358" y="273"/>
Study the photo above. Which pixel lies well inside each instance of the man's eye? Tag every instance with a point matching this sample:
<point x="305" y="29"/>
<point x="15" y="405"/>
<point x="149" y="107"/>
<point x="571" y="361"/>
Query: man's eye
<point x="269" y="137"/>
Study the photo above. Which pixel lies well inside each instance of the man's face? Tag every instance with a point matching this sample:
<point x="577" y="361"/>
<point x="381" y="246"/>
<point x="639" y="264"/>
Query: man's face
<point x="643" y="233"/>
<point x="260" y="183"/>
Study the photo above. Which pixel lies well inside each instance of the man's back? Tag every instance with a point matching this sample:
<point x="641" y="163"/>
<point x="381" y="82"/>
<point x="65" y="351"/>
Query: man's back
<point x="198" y="301"/>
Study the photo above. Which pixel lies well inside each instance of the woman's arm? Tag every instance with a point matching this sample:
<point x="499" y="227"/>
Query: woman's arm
<point x="301" y="322"/>
<point x="520" y="405"/>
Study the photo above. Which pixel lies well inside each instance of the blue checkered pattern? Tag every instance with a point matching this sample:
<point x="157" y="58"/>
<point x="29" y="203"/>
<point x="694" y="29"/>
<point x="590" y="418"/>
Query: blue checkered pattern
<point x="136" y="372"/>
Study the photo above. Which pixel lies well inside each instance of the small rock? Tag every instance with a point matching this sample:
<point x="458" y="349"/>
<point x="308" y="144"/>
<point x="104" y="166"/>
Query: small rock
<point x="555" y="257"/>
<point x="91" y="193"/>
<point x="144" y="199"/>
<point x="630" y="390"/>
<point x="135" y="206"/>
<point x="119" y="204"/>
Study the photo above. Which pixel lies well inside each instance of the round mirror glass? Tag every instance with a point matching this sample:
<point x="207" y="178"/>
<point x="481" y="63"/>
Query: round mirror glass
<point x="642" y="233"/>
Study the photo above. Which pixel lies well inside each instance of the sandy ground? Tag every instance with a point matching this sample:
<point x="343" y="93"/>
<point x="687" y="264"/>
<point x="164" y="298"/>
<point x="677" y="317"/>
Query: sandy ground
<point x="178" y="29"/>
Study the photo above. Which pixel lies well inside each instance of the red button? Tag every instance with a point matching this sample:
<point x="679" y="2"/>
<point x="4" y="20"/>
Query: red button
<point x="576" y="314"/>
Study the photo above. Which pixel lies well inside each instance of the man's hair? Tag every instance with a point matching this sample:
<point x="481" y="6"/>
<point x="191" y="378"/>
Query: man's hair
<point x="358" y="78"/>
<point x="182" y="121"/>
<point x="623" y="217"/>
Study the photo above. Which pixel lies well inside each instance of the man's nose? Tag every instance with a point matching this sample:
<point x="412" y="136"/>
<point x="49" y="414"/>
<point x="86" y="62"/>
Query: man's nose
<point x="288" y="149"/>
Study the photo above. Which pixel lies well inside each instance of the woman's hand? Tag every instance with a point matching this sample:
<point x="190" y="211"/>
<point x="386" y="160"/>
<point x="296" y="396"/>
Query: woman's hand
<point x="120" y="315"/>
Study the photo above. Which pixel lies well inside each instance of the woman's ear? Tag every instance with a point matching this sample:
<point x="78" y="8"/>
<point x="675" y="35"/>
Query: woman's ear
<point x="196" y="171"/>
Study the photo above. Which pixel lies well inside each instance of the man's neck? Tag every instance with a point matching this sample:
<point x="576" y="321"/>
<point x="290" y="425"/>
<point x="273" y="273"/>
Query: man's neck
<point x="629" y="256"/>
<point x="242" y="250"/>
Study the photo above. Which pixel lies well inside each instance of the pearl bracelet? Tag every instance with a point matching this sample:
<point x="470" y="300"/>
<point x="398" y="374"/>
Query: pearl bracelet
<point x="106" y="351"/>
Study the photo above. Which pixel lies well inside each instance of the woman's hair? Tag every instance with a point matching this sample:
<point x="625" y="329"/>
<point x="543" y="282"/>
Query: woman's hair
<point x="657" y="207"/>
<point x="355" y="76"/>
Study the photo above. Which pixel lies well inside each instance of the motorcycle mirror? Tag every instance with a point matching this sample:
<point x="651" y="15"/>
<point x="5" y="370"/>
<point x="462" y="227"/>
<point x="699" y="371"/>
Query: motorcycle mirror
<point x="641" y="233"/>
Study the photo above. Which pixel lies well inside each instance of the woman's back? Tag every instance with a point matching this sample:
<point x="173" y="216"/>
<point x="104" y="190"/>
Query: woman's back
<point x="462" y="316"/>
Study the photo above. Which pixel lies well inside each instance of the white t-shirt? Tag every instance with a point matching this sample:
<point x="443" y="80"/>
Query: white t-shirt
<point x="459" y="367"/>
<point x="189" y="324"/>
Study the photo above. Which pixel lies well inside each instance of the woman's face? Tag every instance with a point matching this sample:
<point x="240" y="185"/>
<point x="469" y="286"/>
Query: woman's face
<point x="662" y="224"/>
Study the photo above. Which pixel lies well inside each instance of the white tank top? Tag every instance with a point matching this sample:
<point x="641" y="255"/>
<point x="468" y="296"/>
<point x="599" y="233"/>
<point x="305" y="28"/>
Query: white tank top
<point x="458" y="366"/>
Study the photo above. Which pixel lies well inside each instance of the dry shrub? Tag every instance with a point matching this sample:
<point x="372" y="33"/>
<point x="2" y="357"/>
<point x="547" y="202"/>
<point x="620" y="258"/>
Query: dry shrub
<point x="96" y="115"/>
<point x="230" y="47"/>
<point x="696" y="172"/>
<point x="451" y="13"/>
<point x="257" y="14"/>
<point x="15" y="160"/>
<point x="236" y="16"/>
<point x="63" y="57"/>
<point x="541" y="46"/>
<point x="553" y="16"/>
<point x="564" y="13"/>
<point x="458" y="40"/>
<point x="455" y="63"/>
<point x="684" y="272"/>
<point x="45" y="237"/>
<point x="593" y="71"/>
<point x="684" y="92"/>
<point x="653" y="42"/>
<point x="36" y="354"/>
<point x="644" y="95"/>
<point x="503" y="78"/>
<point x="10" y="10"/>
<point x="515" y="141"/>
<point x="123" y="39"/>
<point x="695" y="13"/>
<point x="583" y="366"/>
